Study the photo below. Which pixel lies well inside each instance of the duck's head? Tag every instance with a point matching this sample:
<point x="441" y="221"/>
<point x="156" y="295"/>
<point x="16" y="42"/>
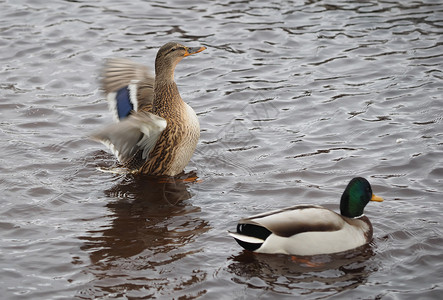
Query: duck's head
<point x="355" y="197"/>
<point x="169" y="55"/>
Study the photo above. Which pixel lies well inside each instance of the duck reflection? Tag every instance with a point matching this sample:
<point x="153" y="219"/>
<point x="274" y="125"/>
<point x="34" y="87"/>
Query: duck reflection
<point x="323" y="274"/>
<point x="150" y="216"/>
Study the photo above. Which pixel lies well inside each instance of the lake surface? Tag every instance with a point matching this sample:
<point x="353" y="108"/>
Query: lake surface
<point x="294" y="99"/>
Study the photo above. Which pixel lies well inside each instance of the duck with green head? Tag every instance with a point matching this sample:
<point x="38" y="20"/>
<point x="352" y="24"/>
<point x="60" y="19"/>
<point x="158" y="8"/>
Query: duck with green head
<point x="156" y="131"/>
<point x="311" y="229"/>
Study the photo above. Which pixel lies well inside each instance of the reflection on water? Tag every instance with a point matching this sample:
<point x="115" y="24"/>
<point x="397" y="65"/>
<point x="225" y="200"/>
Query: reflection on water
<point x="151" y="225"/>
<point x="313" y="275"/>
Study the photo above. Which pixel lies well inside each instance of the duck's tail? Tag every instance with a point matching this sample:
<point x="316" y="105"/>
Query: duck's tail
<point x="250" y="236"/>
<point x="248" y="242"/>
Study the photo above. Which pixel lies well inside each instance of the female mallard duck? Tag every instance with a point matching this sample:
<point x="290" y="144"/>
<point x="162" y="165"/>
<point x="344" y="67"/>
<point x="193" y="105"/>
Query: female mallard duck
<point x="311" y="229"/>
<point x="156" y="132"/>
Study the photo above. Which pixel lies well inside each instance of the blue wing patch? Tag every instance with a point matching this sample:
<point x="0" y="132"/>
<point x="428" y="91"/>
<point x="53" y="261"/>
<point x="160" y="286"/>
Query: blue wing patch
<point x="124" y="104"/>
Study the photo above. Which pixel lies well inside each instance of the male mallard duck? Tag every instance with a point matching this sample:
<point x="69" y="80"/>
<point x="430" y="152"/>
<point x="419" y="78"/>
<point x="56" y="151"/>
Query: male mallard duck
<point x="311" y="229"/>
<point x="156" y="132"/>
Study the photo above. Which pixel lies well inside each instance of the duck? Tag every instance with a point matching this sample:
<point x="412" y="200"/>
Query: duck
<point x="307" y="229"/>
<point x="155" y="132"/>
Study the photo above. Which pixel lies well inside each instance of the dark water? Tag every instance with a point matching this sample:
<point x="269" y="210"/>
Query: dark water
<point x="294" y="99"/>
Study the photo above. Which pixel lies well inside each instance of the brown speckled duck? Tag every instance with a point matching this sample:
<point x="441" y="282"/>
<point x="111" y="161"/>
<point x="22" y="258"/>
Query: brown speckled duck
<point x="156" y="132"/>
<point x="311" y="229"/>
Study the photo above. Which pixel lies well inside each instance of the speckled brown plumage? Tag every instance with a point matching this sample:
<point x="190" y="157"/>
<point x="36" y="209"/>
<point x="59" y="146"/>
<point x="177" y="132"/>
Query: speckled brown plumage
<point x="174" y="143"/>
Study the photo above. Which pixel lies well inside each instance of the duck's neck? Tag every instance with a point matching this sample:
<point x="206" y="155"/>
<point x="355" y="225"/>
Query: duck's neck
<point x="167" y="98"/>
<point x="349" y="208"/>
<point x="164" y="71"/>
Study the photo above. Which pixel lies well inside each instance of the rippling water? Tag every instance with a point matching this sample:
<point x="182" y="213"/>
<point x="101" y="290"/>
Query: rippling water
<point x="294" y="99"/>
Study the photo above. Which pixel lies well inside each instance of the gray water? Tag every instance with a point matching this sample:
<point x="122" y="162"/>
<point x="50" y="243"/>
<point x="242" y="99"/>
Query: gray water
<point x="294" y="99"/>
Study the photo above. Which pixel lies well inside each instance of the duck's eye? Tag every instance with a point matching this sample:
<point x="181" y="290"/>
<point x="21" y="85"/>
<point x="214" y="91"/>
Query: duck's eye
<point x="173" y="49"/>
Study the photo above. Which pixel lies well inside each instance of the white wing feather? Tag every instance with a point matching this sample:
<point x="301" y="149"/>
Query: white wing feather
<point x="139" y="131"/>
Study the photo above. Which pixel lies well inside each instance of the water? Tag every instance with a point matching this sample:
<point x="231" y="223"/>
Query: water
<point x="293" y="98"/>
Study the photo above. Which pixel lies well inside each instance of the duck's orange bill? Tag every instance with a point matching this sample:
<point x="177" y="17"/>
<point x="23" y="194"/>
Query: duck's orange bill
<point x="194" y="50"/>
<point x="376" y="198"/>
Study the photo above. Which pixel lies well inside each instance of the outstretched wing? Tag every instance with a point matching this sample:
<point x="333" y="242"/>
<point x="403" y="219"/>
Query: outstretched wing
<point x="128" y="86"/>
<point x="138" y="132"/>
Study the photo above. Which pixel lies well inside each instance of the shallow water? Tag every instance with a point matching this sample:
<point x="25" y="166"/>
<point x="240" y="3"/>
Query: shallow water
<point x="294" y="99"/>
